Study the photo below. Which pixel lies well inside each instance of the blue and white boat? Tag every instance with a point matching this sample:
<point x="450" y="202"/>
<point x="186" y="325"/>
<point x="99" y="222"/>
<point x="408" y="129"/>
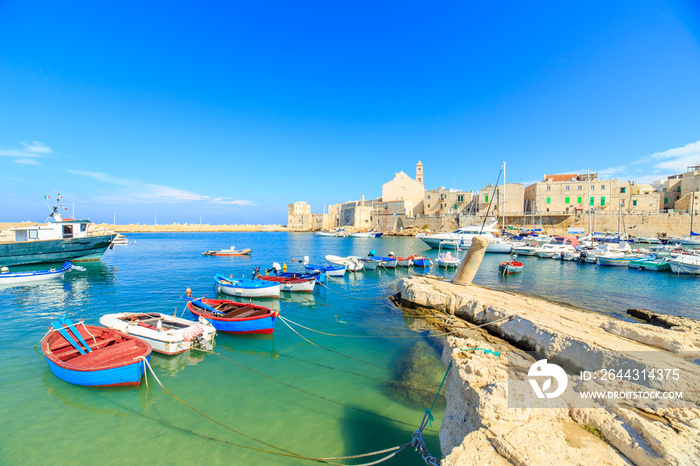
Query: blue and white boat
<point x="20" y="278"/>
<point x="246" y="288"/>
<point x="329" y="270"/>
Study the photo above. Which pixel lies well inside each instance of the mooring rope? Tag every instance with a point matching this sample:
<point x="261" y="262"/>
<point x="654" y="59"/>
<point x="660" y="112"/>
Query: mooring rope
<point x="325" y="366"/>
<point x="377" y="298"/>
<point x="308" y="299"/>
<point x="346" y="336"/>
<point x="332" y="351"/>
<point x="310" y="393"/>
<point x="282" y="452"/>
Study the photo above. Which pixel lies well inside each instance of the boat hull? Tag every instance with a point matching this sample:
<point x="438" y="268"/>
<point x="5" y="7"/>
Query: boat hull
<point x="168" y="340"/>
<point x="613" y="261"/>
<point x="248" y="325"/>
<point x="20" y="278"/>
<point x="294" y="285"/>
<point x="689" y="265"/>
<point x="329" y="270"/>
<point x="242" y="292"/>
<point x="118" y="365"/>
<point x="58" y="250"/>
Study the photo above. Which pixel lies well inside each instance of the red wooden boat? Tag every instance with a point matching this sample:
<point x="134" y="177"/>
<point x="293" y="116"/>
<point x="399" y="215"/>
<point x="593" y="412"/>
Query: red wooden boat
<point x="232" y="317"/>
<point x="510" y="267"/>
<point x="94" y="356"/>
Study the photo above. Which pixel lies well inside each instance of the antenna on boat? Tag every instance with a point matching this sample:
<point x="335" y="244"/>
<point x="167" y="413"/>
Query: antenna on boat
<point x="54" y="210"/>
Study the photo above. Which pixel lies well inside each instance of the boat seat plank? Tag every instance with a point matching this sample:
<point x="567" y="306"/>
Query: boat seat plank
<point x="109" y="355"/>
<point x="64" y="354"/>
<point x="241" y="312"/>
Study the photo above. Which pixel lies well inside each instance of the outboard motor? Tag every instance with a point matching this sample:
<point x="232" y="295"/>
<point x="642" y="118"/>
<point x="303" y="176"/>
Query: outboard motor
<point x="372" y="253"/>
<point x="256" y="272"/>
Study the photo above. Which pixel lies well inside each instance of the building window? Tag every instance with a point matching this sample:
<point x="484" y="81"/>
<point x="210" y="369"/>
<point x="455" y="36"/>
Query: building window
<point x="592" y="201"/>
<point x="486" y="198"/>
<point x="549" y="188"/>
<point x="634" y="203"/>
<point x="549" y="200"/>
<point x="592" y="188"/>
<point x="602" y="201"/>
<point x="428" y="196"/>
<point x="679" y="189"/>
<point x="580" y="187"/>
<point x="455" y="206"/>
<point x="665" y="200"/>
<point x="602" y="187"/>
<point x="567" y="187"/>
<point x="567" y="199"/>
<point x="580" y="200"/>
<point x="622" y="190"/>
<point x="460" y="199"/>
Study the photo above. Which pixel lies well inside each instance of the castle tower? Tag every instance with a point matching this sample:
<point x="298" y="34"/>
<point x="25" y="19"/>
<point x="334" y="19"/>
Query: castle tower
<point x="419" y="172"/>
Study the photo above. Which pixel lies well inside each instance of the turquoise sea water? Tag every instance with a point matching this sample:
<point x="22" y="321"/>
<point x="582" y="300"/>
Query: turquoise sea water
<point x="324" y="396"/>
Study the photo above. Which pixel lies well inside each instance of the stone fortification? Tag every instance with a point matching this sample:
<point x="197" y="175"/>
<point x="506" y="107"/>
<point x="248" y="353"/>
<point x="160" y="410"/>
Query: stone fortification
<point x="480" y="428"/>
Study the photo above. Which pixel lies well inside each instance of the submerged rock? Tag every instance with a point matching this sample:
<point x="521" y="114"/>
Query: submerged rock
<point x="417" y="376"/>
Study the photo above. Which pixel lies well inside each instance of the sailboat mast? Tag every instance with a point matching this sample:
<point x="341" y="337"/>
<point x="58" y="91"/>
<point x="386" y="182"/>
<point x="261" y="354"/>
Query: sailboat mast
<point x="692" y="214"/>
<point x="590" y="232"/>
<point x="504" y="197"/>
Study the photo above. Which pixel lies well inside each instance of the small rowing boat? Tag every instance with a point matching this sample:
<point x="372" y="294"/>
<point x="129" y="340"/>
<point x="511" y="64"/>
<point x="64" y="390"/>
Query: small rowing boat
<point x="232" y="317"/>
<point x="329" y="270"/>
<point x="18" y="278"/>
<point x="351" y="263"/>
<point x="512" y="266"/>
<point x="166" y="334"/>
<point x="246" y="288"/>
<point x="419" y="261"/>
<point x="290" y="283"/>
<point x="228" y="252"/>
<point x="94" y="356"/>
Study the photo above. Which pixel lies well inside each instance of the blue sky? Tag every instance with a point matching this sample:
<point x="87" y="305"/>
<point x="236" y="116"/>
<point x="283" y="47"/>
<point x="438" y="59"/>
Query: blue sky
<point x="232" y="110"/>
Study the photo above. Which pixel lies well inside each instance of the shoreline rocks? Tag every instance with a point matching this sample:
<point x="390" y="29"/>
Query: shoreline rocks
<point x="481" y="425"/>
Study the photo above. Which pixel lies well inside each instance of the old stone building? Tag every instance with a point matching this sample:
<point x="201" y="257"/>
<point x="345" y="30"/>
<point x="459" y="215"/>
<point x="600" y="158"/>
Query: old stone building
<point x="405" y="188"/>
<point x="512" y="193"/>
<point x="449" y="201"/>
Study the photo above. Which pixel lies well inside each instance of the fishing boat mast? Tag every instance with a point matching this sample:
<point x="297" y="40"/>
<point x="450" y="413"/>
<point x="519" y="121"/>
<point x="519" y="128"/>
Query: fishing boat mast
<point x="504" y="197"/>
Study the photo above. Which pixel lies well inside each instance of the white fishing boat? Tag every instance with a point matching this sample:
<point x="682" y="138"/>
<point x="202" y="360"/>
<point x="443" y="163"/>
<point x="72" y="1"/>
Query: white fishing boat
<point x="351" y="263"/>
<point x="685" y="263"/>
<point x="246" y="288"/>
<point x="370" y="263"/>
<point x="166" y="334"/>
<point x="367" y="234"/>
<point x="21" y="278"/>
<point x="447" y="259"/>
<point x="556" y="247"/>
<point x="461" y="238"/>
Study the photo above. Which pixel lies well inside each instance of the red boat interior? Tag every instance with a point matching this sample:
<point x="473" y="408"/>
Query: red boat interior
<point x="232" y="310"/>
<point x="109" y="349"/>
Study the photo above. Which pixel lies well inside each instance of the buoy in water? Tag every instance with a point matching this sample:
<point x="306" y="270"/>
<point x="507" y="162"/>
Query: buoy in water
<point x="284" y="266"/>
<point x="188" y="292"/>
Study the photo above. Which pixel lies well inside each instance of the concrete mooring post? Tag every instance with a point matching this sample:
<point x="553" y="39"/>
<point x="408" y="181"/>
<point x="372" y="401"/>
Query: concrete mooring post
<point x="467" y="270"/>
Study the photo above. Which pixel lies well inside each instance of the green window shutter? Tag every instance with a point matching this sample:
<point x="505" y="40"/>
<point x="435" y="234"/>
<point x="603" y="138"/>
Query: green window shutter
<point x="634" y="203"/>
<point x="665" y="200"/>
<point x="549" y="200"/>
<point x="486" y="198"/>
<point x="580" y="200"/>
<point x="679" y="189"/>
<point x="455" y="206"/>
<point x="567" y="200"/>
<point x="602" y="200"/>
<point x="592" y="202"/>
<point x="622" y="190"/>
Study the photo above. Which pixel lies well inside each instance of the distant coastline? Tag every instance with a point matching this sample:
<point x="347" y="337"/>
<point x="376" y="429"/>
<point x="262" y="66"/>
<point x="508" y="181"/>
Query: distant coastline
<point x="168" y="228"/>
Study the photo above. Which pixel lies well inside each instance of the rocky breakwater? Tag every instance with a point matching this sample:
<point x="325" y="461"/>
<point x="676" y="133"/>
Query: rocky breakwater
<point x="493" y="415"/>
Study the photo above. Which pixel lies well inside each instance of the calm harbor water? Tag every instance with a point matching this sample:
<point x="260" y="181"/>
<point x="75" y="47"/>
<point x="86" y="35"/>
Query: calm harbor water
<point x="328" y="395"/>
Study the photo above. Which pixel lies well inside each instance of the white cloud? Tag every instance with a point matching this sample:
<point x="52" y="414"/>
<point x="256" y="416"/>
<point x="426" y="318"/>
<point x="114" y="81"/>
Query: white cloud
<point x="36" y="147"/>
<point x="138" y="191"/>
<point x="27" y="161"/>
<point x="677" y="160"/>
<point x="28" y="154"/>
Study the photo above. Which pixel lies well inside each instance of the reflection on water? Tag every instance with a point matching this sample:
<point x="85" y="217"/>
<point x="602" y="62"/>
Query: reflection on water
<point x="171" y="365"/>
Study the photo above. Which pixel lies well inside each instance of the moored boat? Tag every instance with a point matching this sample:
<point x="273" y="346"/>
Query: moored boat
<point x="685" y="263"/>
<point x="228" y="252"/>
<point x="246" y="288"/>
<point x="511" y="266"/>
<point x="165" y="333"/>
<point x="419" y="261"/>
<point x="94" y="356"/>
<point x="351" y="263"/>
<point x="232" y="317"/>
<point x="290" y="283"/>
<point x="369" y="263"/>
<point x="58" y="241"/>
<point x="19" y="278"/>
<point x="329" y="270"/>
<point x="655" y="265"/>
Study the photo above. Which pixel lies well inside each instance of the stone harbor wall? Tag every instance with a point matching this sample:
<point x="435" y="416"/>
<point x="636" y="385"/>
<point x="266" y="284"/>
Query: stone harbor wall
<point x="481" y="426"/>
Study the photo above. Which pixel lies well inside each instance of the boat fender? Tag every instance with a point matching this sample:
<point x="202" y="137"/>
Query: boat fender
<point x="284" y="266"/>
<point x="4" y="270"/>
<point x="188" y="292"/>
